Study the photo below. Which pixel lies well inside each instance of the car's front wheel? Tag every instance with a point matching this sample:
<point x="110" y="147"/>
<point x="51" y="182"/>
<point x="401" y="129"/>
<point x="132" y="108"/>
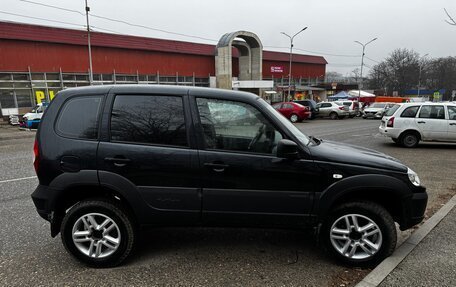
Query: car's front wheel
<point x="333" y="116"/>
<point x="359" y="233"/>
<point x="98" y="233"/>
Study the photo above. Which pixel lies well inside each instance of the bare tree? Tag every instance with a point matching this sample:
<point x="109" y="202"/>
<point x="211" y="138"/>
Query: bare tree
<point x="451" y="21"/>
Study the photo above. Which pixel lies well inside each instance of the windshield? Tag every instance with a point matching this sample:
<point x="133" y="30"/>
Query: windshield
<point x="35" y="109"/>
<point x="296" y="132"/>
<point x="378" y="106"/>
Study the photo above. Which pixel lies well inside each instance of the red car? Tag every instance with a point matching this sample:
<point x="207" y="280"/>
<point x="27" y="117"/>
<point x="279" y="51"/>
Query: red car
<point x="293" y="111"/>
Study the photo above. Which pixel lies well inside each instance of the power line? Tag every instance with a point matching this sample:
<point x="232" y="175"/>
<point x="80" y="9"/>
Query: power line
<point x="119" y="21"/>
<point x="171" y="32"/>
<point x="42" y="19"/>
<point x="372" y="60"/>
<point x="51" y="6"/>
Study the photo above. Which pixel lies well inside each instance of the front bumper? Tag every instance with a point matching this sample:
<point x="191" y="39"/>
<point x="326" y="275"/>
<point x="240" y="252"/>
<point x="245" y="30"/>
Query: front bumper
<point x="413" y="209"/>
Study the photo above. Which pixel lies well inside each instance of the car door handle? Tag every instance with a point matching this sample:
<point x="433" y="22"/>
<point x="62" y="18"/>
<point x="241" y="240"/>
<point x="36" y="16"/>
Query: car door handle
<point x="452" y="124"/>
<point x="217" y="167"/>
<point x="421" y="122"/>
<point x="118" y="161"/>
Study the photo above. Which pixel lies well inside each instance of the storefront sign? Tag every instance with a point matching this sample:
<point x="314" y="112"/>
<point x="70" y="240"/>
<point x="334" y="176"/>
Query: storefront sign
<point x="41" y="96"/>
<point x="276" y="69"/>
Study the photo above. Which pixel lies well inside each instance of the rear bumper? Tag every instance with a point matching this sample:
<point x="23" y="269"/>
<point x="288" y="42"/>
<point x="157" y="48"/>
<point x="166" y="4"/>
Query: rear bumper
<point x="414" y="207"/>
<point x="44" y="199"/>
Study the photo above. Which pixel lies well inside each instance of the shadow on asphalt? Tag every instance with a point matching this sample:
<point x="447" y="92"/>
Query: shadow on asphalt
<point x="279" y="246"/>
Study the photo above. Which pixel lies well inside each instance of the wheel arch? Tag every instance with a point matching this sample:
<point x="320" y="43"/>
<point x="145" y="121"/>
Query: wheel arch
<point x="384" y="190"/>
<point x="411" y="130"/>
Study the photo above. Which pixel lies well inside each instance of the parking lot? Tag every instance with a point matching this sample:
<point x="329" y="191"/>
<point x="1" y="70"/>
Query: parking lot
<point x="195" y="257"/>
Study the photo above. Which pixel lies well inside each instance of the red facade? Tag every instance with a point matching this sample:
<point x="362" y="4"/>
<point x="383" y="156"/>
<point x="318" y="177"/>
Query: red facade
<point x="46" y="49"/>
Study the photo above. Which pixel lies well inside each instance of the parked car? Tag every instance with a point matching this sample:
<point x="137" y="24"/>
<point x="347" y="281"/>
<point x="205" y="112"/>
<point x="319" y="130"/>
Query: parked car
<point x="32" y="119"/>
<point x="293" y="111"/>
<point x="312" y="105"/>
<point x="408" y="124"/>
<point x="334" y="110"/>
<point x="353" y="108"/>
<point x="376" y="110"/>
<point x="114" y="159"/>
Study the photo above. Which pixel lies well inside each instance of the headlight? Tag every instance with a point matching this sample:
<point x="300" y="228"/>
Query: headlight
<point x="413" y="177"/>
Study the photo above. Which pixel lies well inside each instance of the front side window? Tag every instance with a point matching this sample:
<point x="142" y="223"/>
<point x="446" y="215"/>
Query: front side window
<point x="410" y="112"/>
<point x="149" y="119"/>
<point x="432" y="112"/>
<point x="236" y="126"/>
<point x="326" y="105"/>
<point x="79" y="117"/>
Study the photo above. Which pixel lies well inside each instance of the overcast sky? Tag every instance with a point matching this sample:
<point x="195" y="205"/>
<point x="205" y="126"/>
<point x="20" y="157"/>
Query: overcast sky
<point x="333" y="25"/>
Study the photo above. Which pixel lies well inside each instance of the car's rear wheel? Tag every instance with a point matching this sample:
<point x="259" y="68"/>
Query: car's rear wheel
<point x="333" y="116"/>
<point x="409" y="139"/>
<point x="360" y="233"/>
<point x="98" y="233"/>
<point x="294" y="118"/>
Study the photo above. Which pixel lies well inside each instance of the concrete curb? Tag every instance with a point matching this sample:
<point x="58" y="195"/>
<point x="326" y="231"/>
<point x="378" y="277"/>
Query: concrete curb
<point x="376" y="276"/>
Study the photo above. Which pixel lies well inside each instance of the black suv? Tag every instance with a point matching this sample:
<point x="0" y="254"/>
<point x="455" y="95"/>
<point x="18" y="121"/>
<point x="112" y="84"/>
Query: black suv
<point x="113" y="159"/>
<point x="312" y="106"/>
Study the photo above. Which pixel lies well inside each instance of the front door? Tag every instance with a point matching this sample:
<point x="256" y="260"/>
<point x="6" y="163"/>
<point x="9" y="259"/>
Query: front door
<point x="243" y="182"/>
<point x="149" y="147"/>
<point x="451" y="123"/>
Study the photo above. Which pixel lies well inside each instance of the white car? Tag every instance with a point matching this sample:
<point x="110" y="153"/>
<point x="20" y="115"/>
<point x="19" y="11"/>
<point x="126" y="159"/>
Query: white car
<point x="376" y="110"/>
<point x="408" y="124"/>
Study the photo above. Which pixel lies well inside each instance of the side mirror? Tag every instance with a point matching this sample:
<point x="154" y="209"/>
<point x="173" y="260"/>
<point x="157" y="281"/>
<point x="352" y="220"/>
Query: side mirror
<point x="287" y="149"/>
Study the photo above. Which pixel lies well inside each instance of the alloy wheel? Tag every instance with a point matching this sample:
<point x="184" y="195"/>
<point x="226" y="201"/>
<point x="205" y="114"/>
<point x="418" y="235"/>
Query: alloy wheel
<point x="356" y="236"/>
<point x="96" y="235"/>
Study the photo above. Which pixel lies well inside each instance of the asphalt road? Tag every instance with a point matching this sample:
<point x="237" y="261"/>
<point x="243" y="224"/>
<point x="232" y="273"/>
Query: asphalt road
<point x="192" y="257"/>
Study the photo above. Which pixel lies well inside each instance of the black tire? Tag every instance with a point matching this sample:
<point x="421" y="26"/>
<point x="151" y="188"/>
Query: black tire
<point x="409" y="139"/>
<point x="123" y="229"/>
<point x="294" y="118"/>
<point x="372" y="211"/>
<point x="333" y="116"/>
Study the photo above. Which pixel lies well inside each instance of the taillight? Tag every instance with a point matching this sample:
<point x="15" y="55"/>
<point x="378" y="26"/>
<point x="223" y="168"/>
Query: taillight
<point x="36" y="153"/>
<point x="390" y="122"/>
<point x="342" y="108"/>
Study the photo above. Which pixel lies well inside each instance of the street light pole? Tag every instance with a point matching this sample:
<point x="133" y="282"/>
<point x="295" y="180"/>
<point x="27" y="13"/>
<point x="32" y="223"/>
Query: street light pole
<point x="419" y="76"/>
<point x="87" y="9"/>
<point x="362" y="64"/>
<point x="291" y="53"/>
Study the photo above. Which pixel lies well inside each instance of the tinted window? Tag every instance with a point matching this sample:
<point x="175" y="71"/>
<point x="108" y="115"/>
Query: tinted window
<point x="452" y="112"/>
<point x="149" y="119"/>
<point x="326" y="105"/>
<point x="287" y="106"/>
<point x="410" y="112"/>
<point x="432" y="112"/>
<point x="277" y="106"/>
<point x="236" y="126"/>
<point x="392" y="110"/>
<point x="79" y="117"/>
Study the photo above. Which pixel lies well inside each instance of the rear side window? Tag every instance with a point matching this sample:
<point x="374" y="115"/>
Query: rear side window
<point x="149" y="119"/>
<point x="79" y="117"/>
<point x="410" y="112"/>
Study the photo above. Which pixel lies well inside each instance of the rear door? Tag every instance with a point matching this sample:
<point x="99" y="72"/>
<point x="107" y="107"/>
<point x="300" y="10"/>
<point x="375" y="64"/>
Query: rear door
<point x="432" y="123"/>
<point x="325" y="109"/>
<point x="149" y="146"/>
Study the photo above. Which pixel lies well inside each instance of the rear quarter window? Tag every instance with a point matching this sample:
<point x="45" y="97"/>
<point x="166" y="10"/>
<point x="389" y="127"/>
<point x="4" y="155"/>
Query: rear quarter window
<point x="410" y="112"/>
<point x="392" y="110"/>
<point x="78" y="118"/>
